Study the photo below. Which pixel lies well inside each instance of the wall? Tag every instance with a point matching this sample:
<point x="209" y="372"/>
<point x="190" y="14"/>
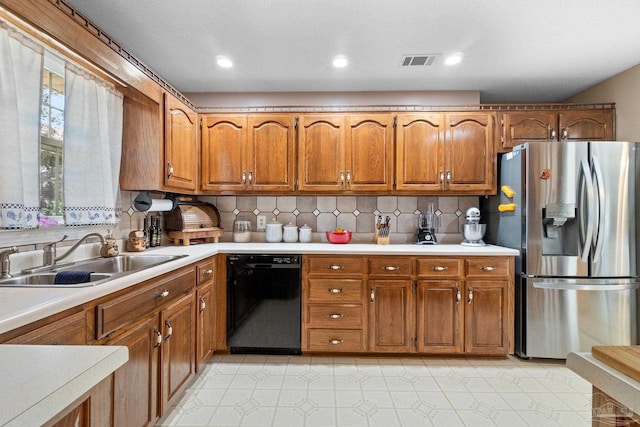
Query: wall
<point x="624" y="90"/>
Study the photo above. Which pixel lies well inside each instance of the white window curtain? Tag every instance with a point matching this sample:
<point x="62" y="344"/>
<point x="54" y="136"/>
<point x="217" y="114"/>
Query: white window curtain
<point x="20" y="83"/>
<point x="92" y="144"/>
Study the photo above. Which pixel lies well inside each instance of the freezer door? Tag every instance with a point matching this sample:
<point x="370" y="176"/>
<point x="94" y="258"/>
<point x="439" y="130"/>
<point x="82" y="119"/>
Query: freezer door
<point x="613" y="165"/>
<point x="559" y="197"/>
<point x="563" y="316"/>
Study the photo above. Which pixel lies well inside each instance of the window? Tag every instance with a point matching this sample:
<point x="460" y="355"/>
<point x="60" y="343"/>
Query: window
<point x="51" y="138"/>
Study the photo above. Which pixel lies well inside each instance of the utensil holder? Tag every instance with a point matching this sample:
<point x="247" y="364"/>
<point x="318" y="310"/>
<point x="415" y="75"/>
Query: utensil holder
<point x="378" y="239"/>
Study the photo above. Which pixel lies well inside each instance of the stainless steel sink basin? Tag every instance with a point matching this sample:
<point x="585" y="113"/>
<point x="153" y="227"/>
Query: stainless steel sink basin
<point x="122" y="263"/>
<point x="48" y="280"/>
<point x="102" y="270"/>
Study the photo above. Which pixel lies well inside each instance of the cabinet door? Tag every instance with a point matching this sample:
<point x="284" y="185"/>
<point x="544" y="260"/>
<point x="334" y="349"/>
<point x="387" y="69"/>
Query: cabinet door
<point x="180" y="145"/>
<point x="369" y="153"/>
<point x="586" y="125"/>
<point x="321" y="148"/>
<point x="391" y="320"/>
<point x="470" y="161"/>
<point x="440" y="316"/>
<point x="419" y="152"/>
<point x="524" y="126"/>
<point x="136" y="382"/>
<point x="205" y="325"/>
<point x="178" y="356"/>
<point x="271" y="152"/>
<point x="486" y="317"/>
<point x="224" y="141"/>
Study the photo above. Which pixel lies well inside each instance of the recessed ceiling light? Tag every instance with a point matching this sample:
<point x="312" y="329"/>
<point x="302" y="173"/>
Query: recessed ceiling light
<point x="340" y="61"/>
<point x="224" y="62"/>
<point x="453" y="59"/>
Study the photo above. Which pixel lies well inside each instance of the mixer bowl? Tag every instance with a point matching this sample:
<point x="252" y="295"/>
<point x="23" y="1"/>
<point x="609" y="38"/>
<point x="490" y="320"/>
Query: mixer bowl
<point x="473" y="232"/>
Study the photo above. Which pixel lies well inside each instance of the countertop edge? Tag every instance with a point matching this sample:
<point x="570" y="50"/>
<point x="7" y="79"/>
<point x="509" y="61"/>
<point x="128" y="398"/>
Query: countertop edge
<point x="619" y="386"/>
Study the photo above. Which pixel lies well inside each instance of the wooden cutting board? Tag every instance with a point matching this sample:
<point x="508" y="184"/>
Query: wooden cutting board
<point x="625" y="359"/>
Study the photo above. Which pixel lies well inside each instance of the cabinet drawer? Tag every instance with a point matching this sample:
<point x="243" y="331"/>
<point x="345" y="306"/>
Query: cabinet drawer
<point x="335" y="340"/>
<point x="119" y="311"/>
<point x="335" y="265"/>
<point x="205" y="271"/>
<point x="332" y="290"/>
<point x="488" y="267"/>
<point x="439" y="267"/>
<point x="71" y="330"/>
<point x="386" y="266"/>
<point x="335" y="316"/>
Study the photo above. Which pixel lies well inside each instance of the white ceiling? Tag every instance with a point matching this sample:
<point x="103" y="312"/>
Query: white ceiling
<point x="514" y="50"/>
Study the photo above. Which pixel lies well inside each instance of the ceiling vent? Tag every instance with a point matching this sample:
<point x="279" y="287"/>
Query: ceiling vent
<point x="418" y="60"/>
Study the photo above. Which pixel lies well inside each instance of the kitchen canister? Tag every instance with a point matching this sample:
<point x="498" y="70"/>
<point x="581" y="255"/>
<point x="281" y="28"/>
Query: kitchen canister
<point x="273" y="231"/>
<point x="305" y="234"/>
<point x="290" y="234"/>
<point x="241" y="231"/>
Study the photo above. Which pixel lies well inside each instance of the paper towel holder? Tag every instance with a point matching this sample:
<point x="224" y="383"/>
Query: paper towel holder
<point x="143" y="202"/>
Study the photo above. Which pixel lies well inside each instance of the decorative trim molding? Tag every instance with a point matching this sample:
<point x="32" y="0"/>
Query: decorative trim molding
<point x="105" y="38"/>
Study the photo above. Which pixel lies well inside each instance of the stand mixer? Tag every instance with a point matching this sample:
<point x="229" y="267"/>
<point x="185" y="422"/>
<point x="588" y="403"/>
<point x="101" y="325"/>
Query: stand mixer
<point x="427" y="225"/>
<point x="473" y="231"/>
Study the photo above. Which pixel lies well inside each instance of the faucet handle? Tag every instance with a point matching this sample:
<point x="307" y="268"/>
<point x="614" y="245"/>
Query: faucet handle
<point x="49" y="255"/>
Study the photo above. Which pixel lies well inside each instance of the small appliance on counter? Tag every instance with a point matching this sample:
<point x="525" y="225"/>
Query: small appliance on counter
<point x="192" y="219"/>
<point x="427" y="226"/>
<point x="473" y="231"/>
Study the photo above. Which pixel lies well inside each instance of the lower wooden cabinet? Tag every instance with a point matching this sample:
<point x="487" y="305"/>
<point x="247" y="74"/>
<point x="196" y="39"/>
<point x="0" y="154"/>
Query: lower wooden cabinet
<point x="391" y="322"/>
<point x="440" y="317"/>
<point x="93" y="409"/>
<point x="70" y="330"/>
<point x="205" y="324"/>
<point x="486" y="318"/>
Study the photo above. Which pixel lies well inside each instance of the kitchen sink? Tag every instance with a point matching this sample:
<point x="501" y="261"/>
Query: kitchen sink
<point x="102" y="270"/>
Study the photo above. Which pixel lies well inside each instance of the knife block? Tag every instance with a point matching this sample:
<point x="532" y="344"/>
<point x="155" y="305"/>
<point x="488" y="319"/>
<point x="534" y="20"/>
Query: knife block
<point x="380" y="240"/>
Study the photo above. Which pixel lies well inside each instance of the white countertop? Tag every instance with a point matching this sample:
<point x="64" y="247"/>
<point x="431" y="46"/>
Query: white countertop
<point x="38" y="382"/>
<point x="20" y="306"/>
<point x="619" y="386"/>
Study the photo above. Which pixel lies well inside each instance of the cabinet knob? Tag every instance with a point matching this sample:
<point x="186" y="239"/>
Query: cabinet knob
<point x="349" y="177"/>
<point x="470" y="296"/>
<point x="553" y="134"/>
<point x="335" y="267"/>
<point x="207" y="272"/>
<point x="203" y="304"/>
<point x="391" y="267"/>
<point x="169" y="169"/>
<point x="335" y="316"/>
<point x="158" y="338"/>
<point x="334" y="341"/>
<point x="250" y="177"/>
<point x="458" y="296"/>
<point x="244" y="177"/>
<point x="487" y="268"/>
<point x="564" y="134"/>
<point x="162" y="294"/>
<point x="439" y="268"/>
<point x="169" y="329"/>
<point x="335" y="290"/>
<point x="342" y="177"/>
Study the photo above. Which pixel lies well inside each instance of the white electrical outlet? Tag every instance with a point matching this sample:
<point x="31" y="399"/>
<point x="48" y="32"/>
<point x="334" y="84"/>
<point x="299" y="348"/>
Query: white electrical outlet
<point x="261" y="222"/>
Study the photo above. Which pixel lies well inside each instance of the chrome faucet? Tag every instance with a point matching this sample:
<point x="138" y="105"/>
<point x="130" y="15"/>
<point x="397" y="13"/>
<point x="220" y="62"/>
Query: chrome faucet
<point x="49" y="255"/>
<point x="4" y="260"/>
<point x="76" y="244"/>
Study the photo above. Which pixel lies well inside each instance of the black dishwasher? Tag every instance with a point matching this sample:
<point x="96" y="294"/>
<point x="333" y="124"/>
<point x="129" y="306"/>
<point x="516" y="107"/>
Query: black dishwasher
<point x="263" y="304"/>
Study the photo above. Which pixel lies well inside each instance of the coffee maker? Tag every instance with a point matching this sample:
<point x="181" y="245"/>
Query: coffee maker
<point x="427" y="225"/>
<point x="473" y="231"/>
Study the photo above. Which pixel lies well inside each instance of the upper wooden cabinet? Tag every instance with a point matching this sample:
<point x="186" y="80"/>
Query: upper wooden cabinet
<point x="180" y="145"/>
<point x="243" y="153"/>
<point x="449" y="153"/>
<point x="345" y="152"/>
<point x="159" y="145"/>
<point x="556" y="125"/>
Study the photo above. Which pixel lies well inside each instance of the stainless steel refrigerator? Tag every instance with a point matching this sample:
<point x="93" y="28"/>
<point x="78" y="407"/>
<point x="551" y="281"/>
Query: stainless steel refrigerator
<point x="570" y="208"/>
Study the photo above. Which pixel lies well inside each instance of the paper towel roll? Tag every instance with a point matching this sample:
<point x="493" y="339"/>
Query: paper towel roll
<point x="145" y="203"/>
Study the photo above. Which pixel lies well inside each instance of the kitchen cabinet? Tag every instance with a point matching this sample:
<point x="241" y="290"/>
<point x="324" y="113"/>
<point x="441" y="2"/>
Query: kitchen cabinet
<point x="69" y="330"/>
<point x="448" y="153"/>
<point x="92" y="409"/>
<point x="248" y="153"/>
<point x="180" y="145"/>
<point x="391" y="323"/>
<point x="555" y="125"/>
<point x="333" y="313"/>
<point x="159" y="144"/>
<point x="345" y="152"/>
<point x="206" y="312"/>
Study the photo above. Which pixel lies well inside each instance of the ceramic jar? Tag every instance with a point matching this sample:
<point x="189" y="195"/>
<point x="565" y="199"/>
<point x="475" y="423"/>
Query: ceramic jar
<point x="273" y="231"/>
<point x="290" y="234"/>
<point x="305" y="234"/>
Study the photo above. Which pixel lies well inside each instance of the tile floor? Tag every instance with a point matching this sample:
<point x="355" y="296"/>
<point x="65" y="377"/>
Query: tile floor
<point x="290" y="391"/>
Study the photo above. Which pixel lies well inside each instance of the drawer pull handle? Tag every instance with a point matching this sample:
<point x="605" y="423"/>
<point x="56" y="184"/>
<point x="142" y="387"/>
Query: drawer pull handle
<point x="439" y="268"/>
<point x="336" y="267"/>
<point x="335" y="316"/>
<point x="162" y="294"/>
<point x="207" y="272"/>
<point x="158" y="338"/>
<point x="391" y="268"/>
<point x="458" y="296"/>
<point x="334" y="342"/>
<point x="488" y="268"/>
<point x="203" y="304"/>
<point x="335" y="290"/>
<point x="169" y="329"/>
<point x="470" y="300"/>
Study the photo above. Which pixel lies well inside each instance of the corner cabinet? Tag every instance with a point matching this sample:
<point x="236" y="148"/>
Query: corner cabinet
<point x="556" y="125"/>
<point x="248" y="153"/>
<point x="345" y="152"/>
<point x="448" y="153"/>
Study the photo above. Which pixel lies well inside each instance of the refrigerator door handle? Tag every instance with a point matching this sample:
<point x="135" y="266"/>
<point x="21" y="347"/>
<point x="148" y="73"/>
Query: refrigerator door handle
<point x="586" y="175"/>
<point x="599" y="232"/>
<point x="582" y="287"/>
